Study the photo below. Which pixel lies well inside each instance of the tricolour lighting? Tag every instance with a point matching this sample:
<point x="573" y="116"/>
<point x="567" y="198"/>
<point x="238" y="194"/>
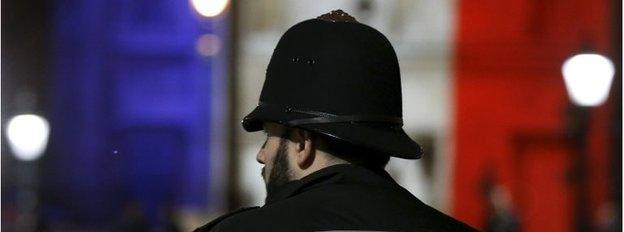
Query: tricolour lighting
<point x="588" y="78"/>
<point x="209" y="8"/>
<point x="28" y="136"/>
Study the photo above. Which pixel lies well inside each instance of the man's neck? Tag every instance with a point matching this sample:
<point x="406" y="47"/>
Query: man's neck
<point x="321" y="161"/>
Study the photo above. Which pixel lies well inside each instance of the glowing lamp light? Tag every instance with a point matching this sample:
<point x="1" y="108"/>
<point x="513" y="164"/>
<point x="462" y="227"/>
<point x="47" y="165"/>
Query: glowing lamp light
<point x="209" y="8"/>
<point x="588" y="78"/>
<point x="28" y="136"/>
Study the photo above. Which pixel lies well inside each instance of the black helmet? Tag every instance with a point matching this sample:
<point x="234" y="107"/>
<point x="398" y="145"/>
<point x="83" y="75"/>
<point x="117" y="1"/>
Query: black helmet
<point x="338" y="77"/>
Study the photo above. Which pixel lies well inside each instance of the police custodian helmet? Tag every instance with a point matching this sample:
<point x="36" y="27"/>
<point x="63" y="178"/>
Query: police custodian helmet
<point x="338" y="77"/>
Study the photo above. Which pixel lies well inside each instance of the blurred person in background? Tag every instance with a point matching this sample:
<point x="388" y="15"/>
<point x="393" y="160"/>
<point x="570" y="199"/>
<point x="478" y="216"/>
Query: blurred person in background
<point x="332" y="113"/>
<point x="503" y="217"/>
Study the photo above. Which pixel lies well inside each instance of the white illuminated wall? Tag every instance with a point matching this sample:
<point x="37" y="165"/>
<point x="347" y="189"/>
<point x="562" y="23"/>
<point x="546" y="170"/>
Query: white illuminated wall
<point x="420" y="32"/>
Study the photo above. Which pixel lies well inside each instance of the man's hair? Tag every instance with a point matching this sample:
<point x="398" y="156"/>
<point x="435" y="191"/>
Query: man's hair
<point x="344" y="150"/>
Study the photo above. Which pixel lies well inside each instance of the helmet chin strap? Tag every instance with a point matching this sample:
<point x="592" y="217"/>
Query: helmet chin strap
<point x="324" y="117"/>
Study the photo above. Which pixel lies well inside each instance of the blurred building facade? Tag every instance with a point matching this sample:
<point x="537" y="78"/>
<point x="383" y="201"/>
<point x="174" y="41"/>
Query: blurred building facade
<point x="145" y="99"/>
<point x="514" y="125"/>
<point x="137" y="99"/>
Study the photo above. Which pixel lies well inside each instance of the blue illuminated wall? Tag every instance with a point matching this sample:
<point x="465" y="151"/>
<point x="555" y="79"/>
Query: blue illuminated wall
<point x="130" y="109"/>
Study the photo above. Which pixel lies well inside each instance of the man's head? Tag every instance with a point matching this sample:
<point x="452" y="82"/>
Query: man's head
<point x="292" y="153"/>
<point x="339" y="78"/>
<point x="333" y="91"/>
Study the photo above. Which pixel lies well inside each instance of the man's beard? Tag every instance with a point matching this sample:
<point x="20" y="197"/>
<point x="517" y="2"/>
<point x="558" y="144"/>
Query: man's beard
<point x="280" y="173"/>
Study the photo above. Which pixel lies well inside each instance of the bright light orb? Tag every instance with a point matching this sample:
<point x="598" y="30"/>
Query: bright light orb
<point x="28" y="136"/>
<point x="209" y="8"/>
<point x="588" y="78"/>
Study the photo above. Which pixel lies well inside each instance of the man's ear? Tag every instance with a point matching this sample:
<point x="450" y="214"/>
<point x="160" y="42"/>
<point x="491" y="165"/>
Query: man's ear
<point x="305" y="148"/>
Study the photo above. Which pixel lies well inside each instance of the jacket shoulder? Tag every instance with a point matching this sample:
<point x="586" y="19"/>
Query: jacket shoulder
<point x="438" y="221"/>
<point x="211" y="225"/>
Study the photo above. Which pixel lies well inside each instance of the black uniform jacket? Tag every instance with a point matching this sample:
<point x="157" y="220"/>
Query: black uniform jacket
<point x="339" y="197"/>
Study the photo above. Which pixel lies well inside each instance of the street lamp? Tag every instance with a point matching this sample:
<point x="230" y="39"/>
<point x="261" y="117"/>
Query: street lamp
<point x="209" y="8"/>
<point x="588" y="78"/>
<point x="28" y="136"/>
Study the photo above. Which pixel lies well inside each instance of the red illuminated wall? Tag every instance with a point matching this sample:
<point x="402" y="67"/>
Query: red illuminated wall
<point x="510" y="108"/>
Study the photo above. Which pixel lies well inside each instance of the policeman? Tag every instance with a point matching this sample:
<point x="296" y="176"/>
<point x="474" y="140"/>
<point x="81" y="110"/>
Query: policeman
<point x="331" y="110"/>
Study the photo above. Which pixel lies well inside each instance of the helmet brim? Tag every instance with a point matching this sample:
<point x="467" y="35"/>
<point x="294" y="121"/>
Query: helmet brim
<point x="389" y="140"/>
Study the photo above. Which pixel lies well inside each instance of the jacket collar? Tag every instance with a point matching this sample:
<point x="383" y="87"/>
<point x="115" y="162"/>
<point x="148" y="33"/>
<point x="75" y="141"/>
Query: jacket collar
<point x="335" y="174"/>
